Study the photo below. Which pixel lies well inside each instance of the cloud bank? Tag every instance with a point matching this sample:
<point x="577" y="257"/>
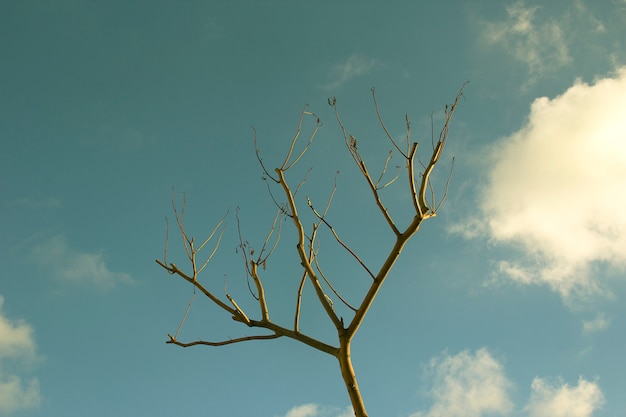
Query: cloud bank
<point x="555" y="190"/>
<point x="17" y="346"/>
<point x="70" y="265"/>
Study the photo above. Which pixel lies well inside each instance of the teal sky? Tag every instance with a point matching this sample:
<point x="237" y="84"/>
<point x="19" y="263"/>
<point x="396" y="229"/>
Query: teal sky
<point x="511" y="302"/>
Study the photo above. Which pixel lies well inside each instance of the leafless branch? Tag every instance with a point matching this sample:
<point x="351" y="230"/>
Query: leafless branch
<point x="380" y="119"/>
<point x="167" y="240"/>
<point x="305" y="274"/>
<point x="180" y="326"/>
<point x="286" y="164"/>
<point x="258" y="157"/>
<point x="276" y="228"/>
<point x="301" y="247"/>
<point x="338" y="239"/>
<point x="240" y="312"/>
<point x="296" y="319"/>
<point x="443" y="137"/>
<point x="223" y="343"/>
<point x="382" y="174"/>
<point x="317" y="266"/>
<point x="445" y="191"/>
<point x="217" y="244"/>
<point x="260" y="291"/>
<point x="351" y="144"/>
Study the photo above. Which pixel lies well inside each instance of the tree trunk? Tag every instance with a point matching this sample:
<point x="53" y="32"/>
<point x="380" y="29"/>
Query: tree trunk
<point x="349" y="378"/>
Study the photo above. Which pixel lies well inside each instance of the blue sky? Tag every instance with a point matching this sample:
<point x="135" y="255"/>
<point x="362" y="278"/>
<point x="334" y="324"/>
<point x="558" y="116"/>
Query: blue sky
<point x="510" y="302"/>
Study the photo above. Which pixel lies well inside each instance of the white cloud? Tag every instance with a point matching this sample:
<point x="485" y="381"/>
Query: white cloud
<point x="556" y="190"/>
<point x="600" y="323"/>
<point x="73" y="266"/>
<point x="356" y="65"/>
<point x="16" y="338"/>
<point x="16" y="345"/>
<point x="561" y="400"/>
<point x="541" y="47"/>
<point x="467" y="385"/>
<point x="314" y="410"/>
<point x="15" y="395"/>
<point x="306" y="410"/>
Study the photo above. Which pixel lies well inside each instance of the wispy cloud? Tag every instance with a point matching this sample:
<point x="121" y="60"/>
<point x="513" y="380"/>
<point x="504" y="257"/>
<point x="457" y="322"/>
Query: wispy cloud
<point x="72" y="266"/>
<point x="542" y="47"/>
<point x="556" y="189"/>
<point x="467" y="385"/>
<point x="354" y="66"/>
<point x="35" y="204"/>
<point x="475" y="385"/>
<point x="17" y="345"/>
<point x="598" y="324"/>
<point x="316" y="410"/>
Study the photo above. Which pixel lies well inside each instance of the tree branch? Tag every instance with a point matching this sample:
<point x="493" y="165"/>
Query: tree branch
<point x="343" y="245"/>
<point x="222" y="343"/>
<point x="306" y="264"/>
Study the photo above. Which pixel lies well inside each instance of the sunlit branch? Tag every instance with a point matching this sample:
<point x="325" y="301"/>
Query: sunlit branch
<point x="240" y="312"/>
<point x="310" y="256"/>
<point x="173" y="269"/>
<point x="443" y="137"/>
<point x="303" y="258"/>
<point x="259" y="287"/>
<point x="217" y="244"/>
<point x="420" y="208"/>
<point x="286" y="165"/>
<point x="382" y="174"/>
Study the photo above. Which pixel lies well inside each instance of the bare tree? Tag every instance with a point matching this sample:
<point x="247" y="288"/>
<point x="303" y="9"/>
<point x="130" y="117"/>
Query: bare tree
<point x="425" y="206"/>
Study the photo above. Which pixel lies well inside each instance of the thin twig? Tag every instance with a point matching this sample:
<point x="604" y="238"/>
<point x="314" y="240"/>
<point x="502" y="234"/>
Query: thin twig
<point x="332" y="230"/>
<point x="317" y="266"/>
<point x="445" y="192"/>
<point x="380" y="119"/>
<point x="186" y="312"/>
<point x="286" y="164"/>
<point x="217" y="244"/>
<point x="352" y="149"/>
<point x="258" y="157"/>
